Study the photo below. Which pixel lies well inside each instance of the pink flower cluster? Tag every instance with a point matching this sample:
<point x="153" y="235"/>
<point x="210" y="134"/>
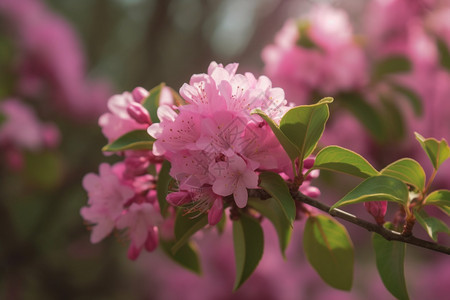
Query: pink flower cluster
<point x="123" y="196"/>
<point x="21" y="130"/>
<point x="333" y="63"/>
<point x="214" y="143"/>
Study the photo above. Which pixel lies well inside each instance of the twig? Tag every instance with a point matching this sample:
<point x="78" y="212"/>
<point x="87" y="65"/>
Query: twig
<point x="387" y="234"/>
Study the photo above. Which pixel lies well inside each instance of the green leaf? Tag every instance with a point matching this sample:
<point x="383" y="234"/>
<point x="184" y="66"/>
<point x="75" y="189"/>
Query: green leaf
<point x="185" y="226"/>
<point x="411" y="96"/>
<point x="288" y="146"/>
<point x="222" y="224"/>
<point x="390" y="256"/>
<point x="304" y="40"/>
<point x="431" y="225"/>
<point x="441" y="199"/>
<point x="272" y="210"/>
<point x="338" y="159"/>
<point x="162" y="187"/>
<point x="304" y="125"/>
<point x="377" y="188"/>
<point x="391" y="65"/>
<point x="248" y="239"/>
<point x="394" y="121"/>
<point x="133" y="140"/>
<point x="444" y="53"/>
<point x="151" y="103"/>
<point x="275" y="185"/>
<point x="186" y="256"/>
<point x="407" y="170"/>
<point x="329" y="250"/>
<point x="365" y="113"/>
<point x="437" y="151"/>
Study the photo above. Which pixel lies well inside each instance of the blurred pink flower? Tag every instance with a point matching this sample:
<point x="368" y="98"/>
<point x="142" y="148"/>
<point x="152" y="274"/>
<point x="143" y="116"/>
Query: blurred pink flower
<point x="23" y="130"/>
<point x="50" y="59"/>
<point x="335" y="63"/>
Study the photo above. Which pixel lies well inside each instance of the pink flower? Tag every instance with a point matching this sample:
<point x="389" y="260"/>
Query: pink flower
<point x="216" y="130"/>
<point x="118" y="122"/>
<point x="141" y="221"/>
<point x="233" y="177"/>
<point x="107" y="197"/>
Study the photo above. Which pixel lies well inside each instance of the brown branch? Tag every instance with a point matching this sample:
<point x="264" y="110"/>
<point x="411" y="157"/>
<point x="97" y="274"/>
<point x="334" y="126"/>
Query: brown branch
<point x="386" y="233"/>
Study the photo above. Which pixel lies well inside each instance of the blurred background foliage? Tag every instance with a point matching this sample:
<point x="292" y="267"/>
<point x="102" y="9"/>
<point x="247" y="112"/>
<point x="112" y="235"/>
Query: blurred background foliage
<point x="45" y="251"/>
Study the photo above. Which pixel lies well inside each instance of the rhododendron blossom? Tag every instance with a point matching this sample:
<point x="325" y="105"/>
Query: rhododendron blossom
<point x="214" y="141"/>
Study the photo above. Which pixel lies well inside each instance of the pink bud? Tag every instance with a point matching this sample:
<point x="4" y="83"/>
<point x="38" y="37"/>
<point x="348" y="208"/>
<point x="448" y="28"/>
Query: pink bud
<point x="215" y="212"/>
<point x="138" y="113"/>
<point x="179" y="198"/>
<point x="313" y="174"/>
<point x="133" y="252"/>
<point x="152" y="239"/>
<point x="308" y="162"/>
<point x="311" y="191"/>
<point x="139" y="93"/>
<point x="377" y="209"/>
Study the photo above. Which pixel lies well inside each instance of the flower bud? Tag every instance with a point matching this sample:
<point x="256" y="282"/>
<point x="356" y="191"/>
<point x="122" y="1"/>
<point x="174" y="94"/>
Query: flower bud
<point x="138" y="113"/>
<point x="215" y="212"/>
<point x="139" y="94"/>
<point x="377" y="209"/>
<point x="179" y="198"/>
<point x="152" y="239"/>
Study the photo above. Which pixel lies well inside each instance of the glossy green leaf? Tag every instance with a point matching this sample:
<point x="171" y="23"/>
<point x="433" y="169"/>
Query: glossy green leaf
<point x="444" y="54"/>
<point x="407" y="170"/>
<point x="186" y="256"/>
<point x="292" y="150"/>
<point x="377" y="188"/>
<point x="411" y="96"/>
<point x="151" y="103"/>
<point x="162" y="188"/>
<point x="272" y="210"/>
<point x="391" y="65"/>
<point x="364" y="112"/>
<point x="390" y="256"/>
<point x="304" y="125"/>
<point x="329" y="250"/>
<point x="441" y="199"/>
<point x="185" y="226"/>
<point x="431" y="225"/>
<point x="273" y="184"/>
<point x="248" y="239"/>
<point x="133" y="140"/>
<point x="338" y="159"/>
<point x="437" y="151"/>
